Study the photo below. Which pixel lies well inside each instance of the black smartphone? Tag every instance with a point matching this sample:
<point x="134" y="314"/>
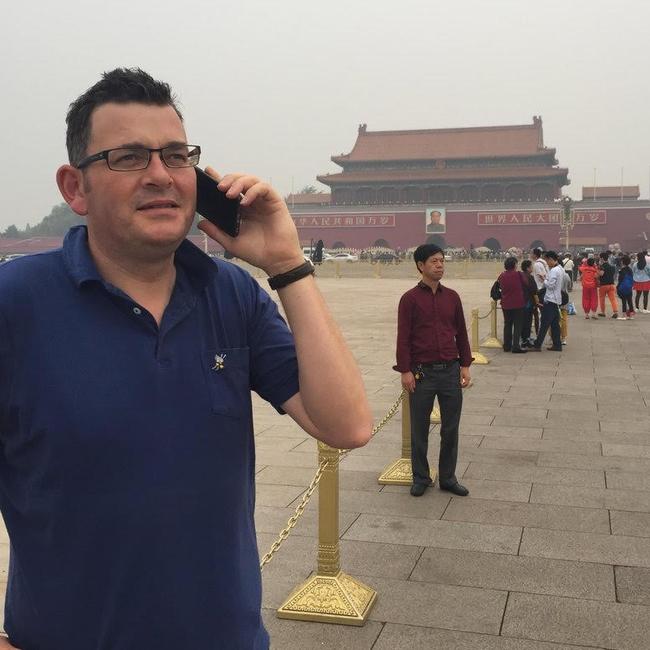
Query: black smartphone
<point x="215" y="206"/>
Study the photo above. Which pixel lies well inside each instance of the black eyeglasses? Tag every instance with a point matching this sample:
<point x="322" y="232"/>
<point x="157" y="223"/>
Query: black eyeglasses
<point x="129" y="159"/>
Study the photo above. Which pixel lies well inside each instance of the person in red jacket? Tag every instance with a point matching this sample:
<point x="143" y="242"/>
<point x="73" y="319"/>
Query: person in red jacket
<point x="513" y="300"/>
<point x="589" y="274"/>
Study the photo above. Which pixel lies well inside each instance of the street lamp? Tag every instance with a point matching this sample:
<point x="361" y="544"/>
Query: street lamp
<point x="568" y="218"/>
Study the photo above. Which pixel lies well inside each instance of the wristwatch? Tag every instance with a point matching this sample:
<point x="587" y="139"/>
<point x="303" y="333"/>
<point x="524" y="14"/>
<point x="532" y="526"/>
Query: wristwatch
<point x="283" y="279"/>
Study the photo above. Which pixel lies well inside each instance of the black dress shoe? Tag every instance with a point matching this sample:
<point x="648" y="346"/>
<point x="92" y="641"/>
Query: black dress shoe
<point x="552" y="349"/>
<point x="534" y="348"/>
<point x="519" y="351"/>
<point x="417" y="489"/>
<point x="456" y="488"/>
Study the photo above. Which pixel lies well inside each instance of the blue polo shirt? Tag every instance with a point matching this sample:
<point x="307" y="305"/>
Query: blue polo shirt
<point x="127" y="455"/>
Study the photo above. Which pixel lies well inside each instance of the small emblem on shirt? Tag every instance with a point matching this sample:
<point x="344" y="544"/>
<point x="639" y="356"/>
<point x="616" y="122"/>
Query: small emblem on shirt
<point x="219" y="361"/>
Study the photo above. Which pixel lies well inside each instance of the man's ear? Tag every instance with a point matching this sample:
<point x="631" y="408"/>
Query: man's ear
<point x="71" y="185"/>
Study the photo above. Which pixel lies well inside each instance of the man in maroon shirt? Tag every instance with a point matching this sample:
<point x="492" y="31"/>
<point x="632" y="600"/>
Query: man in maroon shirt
<point x="514" y="295"/>
<point x="433" y="355"/>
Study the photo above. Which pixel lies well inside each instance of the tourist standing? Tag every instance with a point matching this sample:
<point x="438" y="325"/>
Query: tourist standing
<point x="607" y="287"/>
<point x="514" y="290"/>
<point x="532" y="302"/>
<point x="433" y="356"/>
<point x="589" y="274"/>
<point x="624" y="288"/>
<point x="551" y="307"/>
<point x="641" y="275"/>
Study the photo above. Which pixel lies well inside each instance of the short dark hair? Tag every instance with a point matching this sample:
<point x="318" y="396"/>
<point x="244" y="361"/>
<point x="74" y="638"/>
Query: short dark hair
<point x="510" y="263"/>
<point x="625" y="260"/>
<point x="552" y="255"/>
<point x="424" y="252"/>
<point x="537" y="252"/>
<point x="591" y="261"/>
<point x="526" y="264"/>
<point x="121" y="86"/>
<point x="604" y="255"/>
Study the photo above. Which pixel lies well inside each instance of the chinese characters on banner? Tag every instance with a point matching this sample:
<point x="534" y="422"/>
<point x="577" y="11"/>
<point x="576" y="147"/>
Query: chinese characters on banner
<point x="539" y="218"/>
<point x="345" y="221"/>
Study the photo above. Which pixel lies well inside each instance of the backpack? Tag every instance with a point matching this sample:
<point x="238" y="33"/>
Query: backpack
<point x="624" y="288"/>
<point x="495" y="291"/>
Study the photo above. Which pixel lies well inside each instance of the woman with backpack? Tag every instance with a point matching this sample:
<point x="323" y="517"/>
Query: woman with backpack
<point x="624" y="288"/>
<point x="589" y="274"/>
<point x="641" y="276"/>
<point x="513" y="299"/>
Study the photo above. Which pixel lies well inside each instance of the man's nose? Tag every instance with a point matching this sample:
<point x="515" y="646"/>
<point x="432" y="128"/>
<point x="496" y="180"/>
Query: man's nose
<point x="157" y="172"/>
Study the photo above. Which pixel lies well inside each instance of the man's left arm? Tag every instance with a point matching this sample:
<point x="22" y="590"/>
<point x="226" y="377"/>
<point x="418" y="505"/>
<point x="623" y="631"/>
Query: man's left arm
<point x="464" y="349"/>
<point x="332" y="404"/>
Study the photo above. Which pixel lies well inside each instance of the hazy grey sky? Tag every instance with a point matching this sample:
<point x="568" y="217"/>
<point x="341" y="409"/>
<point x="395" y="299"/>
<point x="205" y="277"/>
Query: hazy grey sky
<point x="276" y="88"/>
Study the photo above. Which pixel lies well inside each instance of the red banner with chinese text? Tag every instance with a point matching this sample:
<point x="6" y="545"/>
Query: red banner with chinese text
<point x="345" y="221"/>
<point x="539" y="218"/>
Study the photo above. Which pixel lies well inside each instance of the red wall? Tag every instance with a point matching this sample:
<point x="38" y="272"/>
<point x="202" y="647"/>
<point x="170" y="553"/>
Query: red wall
<point x="623" y="225"/>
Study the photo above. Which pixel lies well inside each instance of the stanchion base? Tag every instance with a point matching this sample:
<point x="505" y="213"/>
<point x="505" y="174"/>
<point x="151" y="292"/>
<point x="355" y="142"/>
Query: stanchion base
<point x="491" y="342"/>
<point x="435" y="415"/>
<point x="339" y="599"/>
<point x="480" y="359"/>
<point x="397" y="473"/>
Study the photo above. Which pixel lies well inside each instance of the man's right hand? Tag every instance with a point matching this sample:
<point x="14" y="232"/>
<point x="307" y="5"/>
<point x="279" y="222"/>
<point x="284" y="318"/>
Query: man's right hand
<point x="5" y="645"/>
<point x="408" y="383"/>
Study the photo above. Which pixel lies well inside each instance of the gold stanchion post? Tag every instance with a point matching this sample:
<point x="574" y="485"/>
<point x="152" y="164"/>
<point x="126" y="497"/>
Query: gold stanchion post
<point x="330" y="596"/>
<point x="492" y="341"/>
<point x="337" y="268"/>
<point x="479" y="358"/>
<point x="400" y="471"/>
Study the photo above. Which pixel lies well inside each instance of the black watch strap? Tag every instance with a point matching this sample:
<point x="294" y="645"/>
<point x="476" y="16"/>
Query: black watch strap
<point x="284" y="279"/>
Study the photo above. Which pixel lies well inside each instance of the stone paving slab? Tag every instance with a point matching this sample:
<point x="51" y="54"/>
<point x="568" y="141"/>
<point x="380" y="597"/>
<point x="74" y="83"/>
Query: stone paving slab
<point x="528" y="474"/>
<point x="635" y="500"/>
<point x="630" y="523"/>
<point x="442" y="534"/>
<point x="526" y="444"/>
<point x="316" y="636"/>
<point x="455" y="608"/>
<point x="588" y="547"/>
<point x="632" y="585"/>
<point x="406" y="637"/>
<point x="578" y="461"/>
<point x="516" y="573"/>
<point x="531" y="515"/>
<point x="568" y="620"/>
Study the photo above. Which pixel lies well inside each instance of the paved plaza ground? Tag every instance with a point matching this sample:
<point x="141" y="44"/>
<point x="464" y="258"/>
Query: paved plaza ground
<point x="551" y="551"/>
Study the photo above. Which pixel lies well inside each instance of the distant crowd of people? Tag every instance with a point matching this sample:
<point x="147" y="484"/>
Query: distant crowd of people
<point x="538" y="294"/>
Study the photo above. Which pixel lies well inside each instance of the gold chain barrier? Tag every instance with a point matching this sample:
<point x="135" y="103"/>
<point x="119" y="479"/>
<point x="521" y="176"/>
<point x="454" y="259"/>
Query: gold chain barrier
<point x="479" y="359"/>
<point x="492" y="340"/>
<point x="330" y="596"/>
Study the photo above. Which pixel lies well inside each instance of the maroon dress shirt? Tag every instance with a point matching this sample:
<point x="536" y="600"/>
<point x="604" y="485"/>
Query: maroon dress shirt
<point x="430" y="328"/>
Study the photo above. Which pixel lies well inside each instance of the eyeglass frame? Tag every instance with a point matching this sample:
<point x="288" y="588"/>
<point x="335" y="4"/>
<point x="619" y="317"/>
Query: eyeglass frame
<point x="103" y="155"/>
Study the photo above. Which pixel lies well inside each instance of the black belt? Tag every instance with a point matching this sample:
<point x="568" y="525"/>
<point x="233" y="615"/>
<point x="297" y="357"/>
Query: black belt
<point x="439" y="365"/>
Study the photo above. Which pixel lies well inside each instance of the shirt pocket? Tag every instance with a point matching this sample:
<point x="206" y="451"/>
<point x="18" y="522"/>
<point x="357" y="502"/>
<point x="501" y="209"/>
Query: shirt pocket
<point x="228" y="377"/>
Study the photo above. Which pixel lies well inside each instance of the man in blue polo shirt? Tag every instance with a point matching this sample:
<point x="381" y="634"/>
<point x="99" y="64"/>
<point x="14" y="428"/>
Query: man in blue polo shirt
<point x="126" y="364"/>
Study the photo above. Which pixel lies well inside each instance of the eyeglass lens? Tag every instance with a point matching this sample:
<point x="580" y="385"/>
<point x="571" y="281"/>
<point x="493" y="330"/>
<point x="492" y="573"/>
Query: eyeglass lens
<point x="130" y="159"/>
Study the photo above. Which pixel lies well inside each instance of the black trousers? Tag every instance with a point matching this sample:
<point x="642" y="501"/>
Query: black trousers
<point x="527" y="323"/>
<point x="550" y="318"/>
<point x="445" y="385"/>
<point x="512" y="325"/>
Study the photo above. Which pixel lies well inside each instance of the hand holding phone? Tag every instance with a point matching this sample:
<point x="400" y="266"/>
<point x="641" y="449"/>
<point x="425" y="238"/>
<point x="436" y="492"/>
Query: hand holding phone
<point x="215" y="206"/>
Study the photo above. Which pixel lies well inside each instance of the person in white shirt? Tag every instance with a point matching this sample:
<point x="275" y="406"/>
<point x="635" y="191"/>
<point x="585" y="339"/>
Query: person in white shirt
<point x="540" y="268"/>
<point x="552" y="301"/>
